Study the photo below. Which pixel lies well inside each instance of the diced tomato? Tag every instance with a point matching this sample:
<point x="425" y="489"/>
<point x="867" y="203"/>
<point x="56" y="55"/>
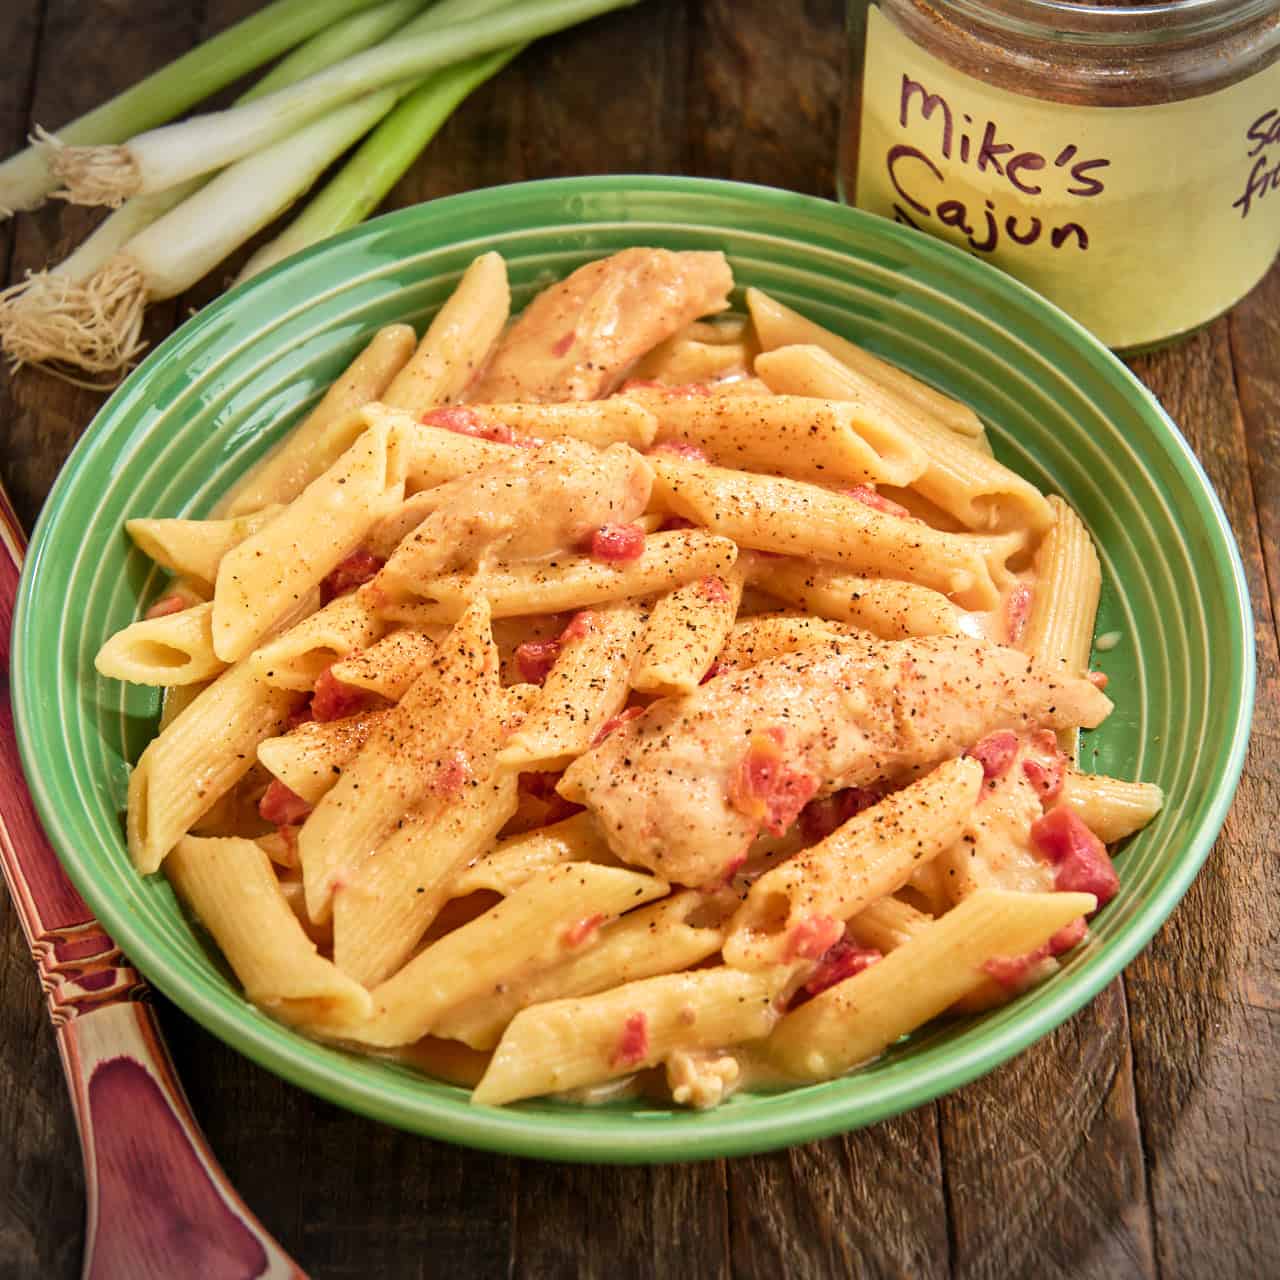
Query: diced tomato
<point x="578" y="932"/>
<point x="1070" y="935"/>
<point x="535" y="658"/>
<point x="172" y="603"/>
<point x="711" y="672"/>
<point x="1017" y="609"/>
<point x="1080" y="858"/>
<point x="303" y="715"/>
<point x="714" y="589"/>
<point x="560" y="347"/>
<point x="1013" y="972"/>
<point x="450" y="774"/>
<point x="844" y="960"/>
<point x="613" y="722"/>
<point x="583" y="623"/>
<point x="633" y="1042"/>
<point x="683" y="449"/>
<point x="618" y="543"/>
<point x="288" y="833"/>
<point x="768" y="789"/>
<point x="467" y="422"/>
<point x="812" y="938"/>
<point x="821" y="817"/>
<point x="995" y="752"/>
<point x="281" y="806"/>
<point x="1099" y="679"/>
<point x="357" y="569"/>
<point x="869" y="497"/>
<point x="334" y="700"/>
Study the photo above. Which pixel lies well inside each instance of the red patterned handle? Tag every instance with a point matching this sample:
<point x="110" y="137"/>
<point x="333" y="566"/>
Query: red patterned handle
<point x="158" y="1205"/>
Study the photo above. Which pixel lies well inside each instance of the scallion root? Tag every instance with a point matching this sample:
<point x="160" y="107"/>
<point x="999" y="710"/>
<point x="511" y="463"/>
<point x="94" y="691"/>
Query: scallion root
<point x="94" y="325"/>
<point x="90" y="175"/>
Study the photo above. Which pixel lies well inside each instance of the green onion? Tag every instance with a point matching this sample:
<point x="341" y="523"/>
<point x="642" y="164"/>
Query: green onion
<point x="164" y="157"/>
<point x="25" y="179"/>
<point x="380" y="162"/>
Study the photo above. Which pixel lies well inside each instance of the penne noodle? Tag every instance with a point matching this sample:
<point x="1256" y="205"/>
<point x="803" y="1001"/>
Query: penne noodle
<point x="796" y="905"/>
<point x="526" y="931"/>
<point x="568" y="1044"/>
<point x="598" y="422"/>
<point x="655" y="940"/>
<point x="315" y="445"/>
<point x="687" y="628"/>
<point x="381" y="913"/>
<point x="309" y="759"/>
<point x="587" y="684"/>
<point x="261" y="579"/>
<point x="683" y="360"/>
<point x="514" y="860"/>
<point x="173" y="649"/>
<point x="770" y="635"/>
<point x="779" y="326"/>
<point x="458" y="340"/>
<point x="1110" y="807"/>
<point x="887" y="608"/>
<point x="887" y="924"/>
<point x="176" y="700"/>
<point x="198" y="758"/>
<point x="789" y="517"/>
<point x="420" y="749"/>
<point x="299" y="657"/>
<point x="230" y="885"/>
<point x="965" y="482"/>
<point x="389" y="666"/>
<point x="572" y="581"/>
<point x="855" y="1020"/>
<point x="828" y="441"/>
<point x="195" y="547"/>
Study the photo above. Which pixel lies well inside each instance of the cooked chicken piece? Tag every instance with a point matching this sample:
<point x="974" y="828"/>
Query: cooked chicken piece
<point x="540" y="502"/>
<point x="577" y="339"/>
<point x="685" y="788"/>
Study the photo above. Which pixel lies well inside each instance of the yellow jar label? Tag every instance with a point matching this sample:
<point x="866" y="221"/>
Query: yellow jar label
<point x="1140" y="222"/>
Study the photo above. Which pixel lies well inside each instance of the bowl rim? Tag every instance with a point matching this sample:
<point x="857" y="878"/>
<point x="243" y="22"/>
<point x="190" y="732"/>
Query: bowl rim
<point x="730" y="1130"/>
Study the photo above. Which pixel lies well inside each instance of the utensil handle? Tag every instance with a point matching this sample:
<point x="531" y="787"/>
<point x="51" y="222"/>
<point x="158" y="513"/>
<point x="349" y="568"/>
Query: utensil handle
<point x="158" y="1204"/>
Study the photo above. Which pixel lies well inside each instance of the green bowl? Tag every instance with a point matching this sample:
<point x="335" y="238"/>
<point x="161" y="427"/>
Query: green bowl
<point x="1061" y="410"/>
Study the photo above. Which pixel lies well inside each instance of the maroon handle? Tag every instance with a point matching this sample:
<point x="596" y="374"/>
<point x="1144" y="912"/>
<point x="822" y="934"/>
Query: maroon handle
<point x="158" y="1204"/>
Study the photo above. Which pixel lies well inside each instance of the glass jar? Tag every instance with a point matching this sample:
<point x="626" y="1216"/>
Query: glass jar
<point x="1123" y="160"/>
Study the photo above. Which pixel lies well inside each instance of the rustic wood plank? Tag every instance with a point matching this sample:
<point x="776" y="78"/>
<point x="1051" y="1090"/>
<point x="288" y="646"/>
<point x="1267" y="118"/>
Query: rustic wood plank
<point x="1044" y="1159"/>
<point x="866" y="1204"/>
<point x="1205" y="996"/>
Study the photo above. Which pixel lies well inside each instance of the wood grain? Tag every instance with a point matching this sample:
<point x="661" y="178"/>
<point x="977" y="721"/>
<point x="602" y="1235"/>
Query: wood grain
<point x="1140" y="1139"/>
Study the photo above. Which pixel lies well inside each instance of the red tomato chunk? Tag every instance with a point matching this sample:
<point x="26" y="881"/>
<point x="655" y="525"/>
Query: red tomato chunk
<point x="768" y="789"/>
<point x="618" y="543"/>
<point x="821" y="817"/>
<point x="281" y="806"/>
<point x="535" y="658"/>
<point x="334" y="700"/>
<point x="353" y="572"/>
<point x="1080" y="858"/>
<point x="630" y="713"/>
<point x="811" y="939"/>
<point x="583" y="623"/>
<point x="844" y="960"/>
<point x="995" y="752"/>
<point x="633" y="1043"/>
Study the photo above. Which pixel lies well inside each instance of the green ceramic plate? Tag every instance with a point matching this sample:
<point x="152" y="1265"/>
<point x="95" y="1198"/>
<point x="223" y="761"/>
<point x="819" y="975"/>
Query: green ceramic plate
<point x="1061" y="410"/>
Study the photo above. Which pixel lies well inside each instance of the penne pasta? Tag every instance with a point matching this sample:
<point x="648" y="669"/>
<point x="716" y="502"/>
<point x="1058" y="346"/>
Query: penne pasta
<point x="770" y="635"/>
<point x="262" y="578"/>
<point x="887" y="924"/>
<point x="389" y="666"/>
<point x="687" y="628"/>
<point x="514" y="860"/>
<point x="316" y="444"/>
<point x="857" y="1019"/>
<point x="965" y="482"/>
<point x="297" y="659"/>
<point x="195" y="548"/>
<point x="826" y="441"/>
<point x="684" y="360"/>
<point x="596" y="422"/>
<point x="886" y="607"/>
<point x="779" y="326"/>
<point x="525" y="931"/>
<point x="173" y="649"/>
<point x="789" y="517"/>
<point x="572" y="581"/>
<point x="568" y="1044"/>
<point x="1110" y="807"/>
<point x="587" y="684"/>
<point x="657" y="939"/>
<point x="798" y="906"/>
<point x="309" y="759"/>
<point x="198" y="758"/>
<point x="457" y="342"/>
<point x="230" y="885"/>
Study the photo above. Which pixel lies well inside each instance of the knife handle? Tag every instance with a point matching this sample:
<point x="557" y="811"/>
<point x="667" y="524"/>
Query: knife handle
<point x="158" y="1204"/>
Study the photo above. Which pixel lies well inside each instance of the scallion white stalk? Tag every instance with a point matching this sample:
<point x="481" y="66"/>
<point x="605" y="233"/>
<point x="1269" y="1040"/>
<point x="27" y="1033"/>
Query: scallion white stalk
<point x="379" y="162"/>
<point x="25" y="179"/>
<point x="167" y="156"/>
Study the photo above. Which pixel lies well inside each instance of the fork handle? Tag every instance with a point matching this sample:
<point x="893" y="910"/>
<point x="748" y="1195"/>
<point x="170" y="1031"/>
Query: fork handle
<point x="158" y="1205"/>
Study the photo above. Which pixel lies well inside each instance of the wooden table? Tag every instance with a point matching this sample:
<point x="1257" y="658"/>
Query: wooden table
<point x="1141" y="1139"/>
